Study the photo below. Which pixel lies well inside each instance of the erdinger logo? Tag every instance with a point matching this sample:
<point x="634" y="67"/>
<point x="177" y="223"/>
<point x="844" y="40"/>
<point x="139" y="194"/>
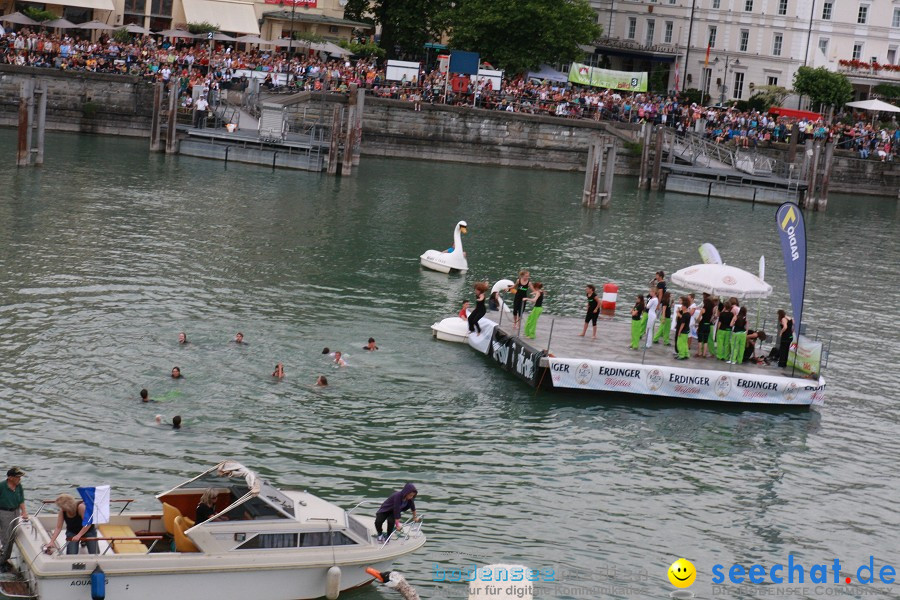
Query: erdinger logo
<point x="723" y="386"/>
<point x="654" y="380"/>
<point x="583" y="374"/>
<point x="790" y="392"/>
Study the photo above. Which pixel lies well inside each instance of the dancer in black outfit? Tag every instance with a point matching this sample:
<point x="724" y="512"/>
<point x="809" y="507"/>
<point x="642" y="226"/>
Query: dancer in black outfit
<point x="785" y="337"/>
<point x="480" y="289"/>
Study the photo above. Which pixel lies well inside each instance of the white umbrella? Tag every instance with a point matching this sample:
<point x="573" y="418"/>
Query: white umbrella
<point x="335" y="50"/>
<point x="722" y="280"/>
<point x="221" y="37"/>
<point x="252" y="39"/>
<point x="132" y="28"/>
<point x="874" y="105"/>
<point x="96" y="25"/>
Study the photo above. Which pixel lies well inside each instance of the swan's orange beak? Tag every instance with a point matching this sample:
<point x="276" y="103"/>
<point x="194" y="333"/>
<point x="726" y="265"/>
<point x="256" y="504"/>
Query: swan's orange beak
<point x="463" y="229"/>
<point x="374" y="573"/>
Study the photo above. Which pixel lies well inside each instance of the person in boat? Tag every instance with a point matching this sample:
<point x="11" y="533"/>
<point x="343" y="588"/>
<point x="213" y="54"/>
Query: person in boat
<point x="176" y="373"/>
<point x="593" y="310"/>
<point x="392" y="508"/>
<point x="12" y="505"/>
<point x="145" y="395"/>
<point x="521" y="287"/>
<point x="463" y="312"/>
<point x="207" y="506"/>
<point x="321" y="381"/>
<point x="480" y="310"/>
<point x="71" y="514"/>
<point x="279" y="371"/>
<point x="370" y="346"/>
<point x="182" y="339"/>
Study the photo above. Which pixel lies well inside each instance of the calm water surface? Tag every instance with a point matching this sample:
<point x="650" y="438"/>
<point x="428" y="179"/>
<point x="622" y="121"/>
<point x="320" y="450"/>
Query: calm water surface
<point x="108" y="252"/>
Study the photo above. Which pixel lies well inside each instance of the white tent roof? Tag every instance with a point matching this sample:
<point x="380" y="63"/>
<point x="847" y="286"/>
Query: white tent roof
<point x="239" y="17"/>
<point x="874" y="105"/>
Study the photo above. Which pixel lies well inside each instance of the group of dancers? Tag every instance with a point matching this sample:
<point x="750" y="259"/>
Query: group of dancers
<point x="719" y="325"/>
<point x="521" y="287"/>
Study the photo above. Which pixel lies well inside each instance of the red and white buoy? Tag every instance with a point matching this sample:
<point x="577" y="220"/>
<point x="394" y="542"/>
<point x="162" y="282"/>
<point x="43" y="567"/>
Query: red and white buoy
<point x="610" y="293"/>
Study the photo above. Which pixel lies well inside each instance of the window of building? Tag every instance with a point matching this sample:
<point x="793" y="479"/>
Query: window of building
<point x="827" y="9"/>
<point x="738" y="86"/>
<point x="651" y="31"/>
<point x="771" y="80"/>
<point x="716" y="3"/>
<point x="672" y="1"/>
<point x="777" y="41"/>
<point x="632" y="27"/>
<point x="892" y="55"/>
<point x="857" y="51"/>
<point x="707" y="75"/>
<point x="863" y="15"/>
<point x="823" y="46"/>
<point x="782" y="7"/>
<point x="667" y="36"/>
<point x="161" y="8"/>
<point x="748" y="5"/>
<point x="895" y="22"/>
<point x="745" y="40"/>
<point x="712" y="37"/>
<point x="332" y="29"/>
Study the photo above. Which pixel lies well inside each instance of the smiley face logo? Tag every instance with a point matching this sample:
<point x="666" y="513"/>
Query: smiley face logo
<point x="682" y="573"/>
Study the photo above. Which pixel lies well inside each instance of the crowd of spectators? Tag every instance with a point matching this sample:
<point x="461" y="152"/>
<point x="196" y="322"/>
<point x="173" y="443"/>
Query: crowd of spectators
<point x="222" y="66"/>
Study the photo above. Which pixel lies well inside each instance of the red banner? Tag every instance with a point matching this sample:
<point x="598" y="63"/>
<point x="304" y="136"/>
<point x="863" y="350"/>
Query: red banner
<point x="303" y="3"/>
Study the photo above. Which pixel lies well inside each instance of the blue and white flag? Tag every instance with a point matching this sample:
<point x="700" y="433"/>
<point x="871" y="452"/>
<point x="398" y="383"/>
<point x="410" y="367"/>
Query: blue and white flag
<point x="792" y="231"/>
<point x="96" y="504"/>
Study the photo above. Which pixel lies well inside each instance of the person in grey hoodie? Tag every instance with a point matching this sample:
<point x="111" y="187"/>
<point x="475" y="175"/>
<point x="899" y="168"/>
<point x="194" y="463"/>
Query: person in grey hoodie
<point x="392" y="508"/>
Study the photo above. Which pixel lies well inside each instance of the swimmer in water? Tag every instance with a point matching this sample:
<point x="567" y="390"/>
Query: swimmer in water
<point x="326" y="350"/>
<point x="321" y="381"/>
<point x="145" y="396"/>
<point x="371" y="345"/>
<point x="239" y="338"/>
<point x="182" y="338"/>
<point x="338" y="360"/>
<point x="176" y="373"/>
<point x="279" y="371"/>
<point x="176" y="422"/>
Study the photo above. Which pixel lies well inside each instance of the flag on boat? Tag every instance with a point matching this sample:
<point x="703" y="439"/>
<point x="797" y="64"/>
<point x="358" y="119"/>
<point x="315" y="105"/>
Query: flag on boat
<point x="792" y="231"/>
<point x="96" y="504"/>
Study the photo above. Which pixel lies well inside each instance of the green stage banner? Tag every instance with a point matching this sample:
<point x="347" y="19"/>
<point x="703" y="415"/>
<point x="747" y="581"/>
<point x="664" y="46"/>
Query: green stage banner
<point x="606" y="78"/>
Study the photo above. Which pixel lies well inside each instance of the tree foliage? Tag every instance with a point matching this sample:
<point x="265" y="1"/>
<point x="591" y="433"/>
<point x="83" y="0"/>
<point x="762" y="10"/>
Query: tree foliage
<point x="202" y="27"/>
<point x="406" y="25"/>
<point x="38" y="15"/>
<point x="887" y="90"/>
<point x="824" y="87"/>
<point x="767" y="96"/>
<point x="517" y="35"/>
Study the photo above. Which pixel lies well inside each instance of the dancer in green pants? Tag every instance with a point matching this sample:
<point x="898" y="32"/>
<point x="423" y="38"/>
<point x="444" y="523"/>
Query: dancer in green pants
<point x="665" y="321"/>
<point x="723" y="336"/>
<point x="537" y="301"/>
<point x="638" y="319"/>
<point x="683" y="330"/>
<point x="738" y="337"/>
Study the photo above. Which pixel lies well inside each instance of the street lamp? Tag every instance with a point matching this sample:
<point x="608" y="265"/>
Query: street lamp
<point x="724" y="86"/>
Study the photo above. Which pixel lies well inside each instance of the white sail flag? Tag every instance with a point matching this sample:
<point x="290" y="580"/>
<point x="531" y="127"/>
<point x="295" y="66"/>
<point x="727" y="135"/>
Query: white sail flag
<point x="96" y="504"/>
<point x="709" y="254"/>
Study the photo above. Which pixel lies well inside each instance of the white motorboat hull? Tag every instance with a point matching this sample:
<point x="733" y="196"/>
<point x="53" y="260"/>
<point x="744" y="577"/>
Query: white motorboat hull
<point x="443" y="262"/>
<point x="451" y="329"/>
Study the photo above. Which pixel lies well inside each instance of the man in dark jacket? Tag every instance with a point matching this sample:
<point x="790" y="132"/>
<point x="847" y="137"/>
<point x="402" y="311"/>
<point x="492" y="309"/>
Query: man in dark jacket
<point x="392" y="507"/>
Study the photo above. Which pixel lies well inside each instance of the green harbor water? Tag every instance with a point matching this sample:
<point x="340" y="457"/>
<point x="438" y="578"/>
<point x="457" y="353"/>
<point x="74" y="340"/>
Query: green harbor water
<point x="108" y="252"/>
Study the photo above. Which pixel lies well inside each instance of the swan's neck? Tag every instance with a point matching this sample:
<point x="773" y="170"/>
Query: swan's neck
<point x="457" y="239"/>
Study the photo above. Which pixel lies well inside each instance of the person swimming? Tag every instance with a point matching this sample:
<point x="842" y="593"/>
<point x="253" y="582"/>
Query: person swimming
<point x="145" y="395"/>
<point x="321" y="381"/>
<point x="340" y="362"/>
<point x="371" y="345"/>
<point x="176" y="373"/>
<point x="239" y="338"/>
<point x="279" y="371"/>
<point x="182" y="338"/>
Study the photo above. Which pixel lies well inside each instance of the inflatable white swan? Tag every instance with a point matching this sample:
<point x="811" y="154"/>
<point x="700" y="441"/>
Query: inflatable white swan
<point x="455" y="260"/>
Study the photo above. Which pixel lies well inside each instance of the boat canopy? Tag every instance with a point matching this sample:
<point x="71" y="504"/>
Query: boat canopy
<point x="244" y="485"/>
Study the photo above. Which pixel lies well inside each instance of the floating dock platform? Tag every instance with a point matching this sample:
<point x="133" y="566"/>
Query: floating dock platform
<point x="560" y="359"/>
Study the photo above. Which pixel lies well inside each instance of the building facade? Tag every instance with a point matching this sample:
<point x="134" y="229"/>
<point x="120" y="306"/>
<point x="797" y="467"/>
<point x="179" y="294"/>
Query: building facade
<point x="751" y="43"/>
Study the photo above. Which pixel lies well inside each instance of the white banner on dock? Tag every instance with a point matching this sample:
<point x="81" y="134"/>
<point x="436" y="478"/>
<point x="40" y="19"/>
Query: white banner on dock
<point x="674" y="382"/>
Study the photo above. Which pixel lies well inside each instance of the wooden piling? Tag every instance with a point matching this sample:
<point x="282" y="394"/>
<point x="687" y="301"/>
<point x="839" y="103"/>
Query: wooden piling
<point x="23" y="154"/>
<point x="592" y="173"/>
<point x="795" y="139"/>
<point x="657" y="159"/>
<point x="812" y="196"/>
<point x="822" y="202"/>
<point x="609" y="173"/>
<point x="41" y="123"/>
<point x="335" y="138"/>
<point x="357" y="136"/>
<point x="349" y="131"/>
<point x="644" y="177"/>
<point x="171" y="145"/>
<point x="155" y="142"/>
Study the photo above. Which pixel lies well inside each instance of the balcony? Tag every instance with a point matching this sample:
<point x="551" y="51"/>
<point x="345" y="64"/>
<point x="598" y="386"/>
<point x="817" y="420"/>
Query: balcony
<point x="873" y="71"/>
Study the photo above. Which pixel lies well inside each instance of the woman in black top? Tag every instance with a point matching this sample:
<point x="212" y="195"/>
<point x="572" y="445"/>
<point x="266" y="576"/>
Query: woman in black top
<point x="480" y="309"/>
<point x="683" y="330"/>
<point x="723" y="333"/>
<point x="521" y="287"/>
<point x="207" y="506"/>
<point x="637" y="318"/>
<point x="785" y="337"/>
<point x="706" y="315"/>
<point x="665" y="323"/>
<point x="71" y="513"/>
<point x="738" y="337"/>
<point x="538" y="308"/>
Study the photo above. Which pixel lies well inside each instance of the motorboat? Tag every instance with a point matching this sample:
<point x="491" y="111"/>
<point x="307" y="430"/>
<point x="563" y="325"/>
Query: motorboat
<point x="452" y="259"/>
<point x="456" y="329"/>
<point x="262" y="542"/>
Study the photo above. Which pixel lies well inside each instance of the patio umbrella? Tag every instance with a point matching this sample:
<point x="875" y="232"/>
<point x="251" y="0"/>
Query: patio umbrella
<point x="18" y="18"/>
<point x="335" y="50"/>
<point x="132" y="28"/>
<point x="59" y="24"/>
<point x="252" y="39"/>
<point x="221" y="37"/>
<point x="96" y="25"/>
<point x="722" y="280"/>
<point x="874" y="105"/>
<point x="283" y="43"/>
<point x="176" y="33"/>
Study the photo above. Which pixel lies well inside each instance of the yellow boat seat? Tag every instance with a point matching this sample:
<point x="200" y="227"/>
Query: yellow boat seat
<point x="170" y="513"/>
<point x="182" y="542"/>
<point x="122" y="546"/>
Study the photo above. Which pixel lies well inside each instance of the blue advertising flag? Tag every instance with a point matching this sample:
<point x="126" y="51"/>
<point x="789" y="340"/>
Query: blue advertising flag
<point x="465" y="63"/>
<point x="792" y="232"/>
